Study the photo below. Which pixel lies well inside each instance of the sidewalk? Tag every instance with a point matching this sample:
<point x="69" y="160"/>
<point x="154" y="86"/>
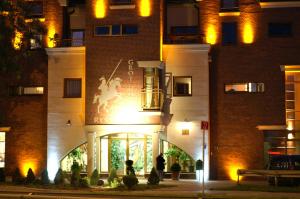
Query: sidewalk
<point x="176" y="189"/>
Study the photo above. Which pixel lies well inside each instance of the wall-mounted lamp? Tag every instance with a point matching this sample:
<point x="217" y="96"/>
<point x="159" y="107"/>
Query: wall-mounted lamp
<point x="69" y="123"/>
<point x="185" y="127"/>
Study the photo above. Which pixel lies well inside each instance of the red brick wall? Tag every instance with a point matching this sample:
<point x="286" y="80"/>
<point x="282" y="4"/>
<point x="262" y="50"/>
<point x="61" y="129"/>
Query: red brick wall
<point x="235" y="141"/>
<point x="26" y="143"/>
<point x="104" y="52"/>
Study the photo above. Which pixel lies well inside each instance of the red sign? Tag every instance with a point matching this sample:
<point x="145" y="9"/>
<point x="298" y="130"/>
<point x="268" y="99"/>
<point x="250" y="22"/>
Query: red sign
<point x="204" y="125"/>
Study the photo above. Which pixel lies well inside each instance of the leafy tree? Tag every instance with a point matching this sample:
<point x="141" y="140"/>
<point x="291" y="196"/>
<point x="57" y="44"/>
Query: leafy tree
<point x="14" y="52"/>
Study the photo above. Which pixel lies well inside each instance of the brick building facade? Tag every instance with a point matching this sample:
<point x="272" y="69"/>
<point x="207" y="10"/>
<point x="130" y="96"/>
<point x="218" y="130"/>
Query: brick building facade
<point x="231" y="61"/>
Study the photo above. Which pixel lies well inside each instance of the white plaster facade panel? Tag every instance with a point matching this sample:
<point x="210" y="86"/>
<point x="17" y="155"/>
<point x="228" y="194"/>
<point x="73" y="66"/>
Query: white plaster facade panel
<point x="63" y="137"/>
<point x="189" y="60"/>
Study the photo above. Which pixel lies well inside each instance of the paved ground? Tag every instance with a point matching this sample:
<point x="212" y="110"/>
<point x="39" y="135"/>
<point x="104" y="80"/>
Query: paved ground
<point x="175" y="189"/>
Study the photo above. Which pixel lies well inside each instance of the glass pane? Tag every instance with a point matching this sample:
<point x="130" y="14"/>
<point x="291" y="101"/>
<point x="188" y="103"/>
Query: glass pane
<point x="136" y="153"/>
<point x="79" y="155"/>
<point x="102" y="30"/>
<point x="104" y="155"/>
<point x="182" y="86"/>
<point x="149" y="154"/>
<point x="2" y="149"/>
<point x="118" y="155"/>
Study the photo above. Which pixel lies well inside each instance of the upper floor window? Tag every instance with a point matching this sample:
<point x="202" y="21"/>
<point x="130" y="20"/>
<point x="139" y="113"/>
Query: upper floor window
<point x="116" y="30"/>
<point x="35" y="9"/>
<point x="72" y="88"/>
<point x="245" y="87"/>
<point x="77" y="37"/>
<point x="229" y="4"/>
<point x="118" y="2"/>
<point x="280" y="30"/>
<point x="2" y="149"/>
<point x="182" y="86"/>
<point x="30" y="90"/>
<point x="229" y="33"/>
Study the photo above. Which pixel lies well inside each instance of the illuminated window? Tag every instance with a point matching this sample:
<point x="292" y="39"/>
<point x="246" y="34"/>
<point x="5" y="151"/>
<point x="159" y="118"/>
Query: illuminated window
<point x="228" y="5"/>
<point x="280" y="30"/>
<point x="72" y="88"/>
<point x="182" y="86"/>
<point x="77" y="37"/>
<point x="35" y="42"/>
<point x="229" y="33"/>
<point x="118" y="2"/>
<point x="20" y="90"/>
<point x="2" y="149"/>
<point x="245" y="87"/>
<point x="35" y="9"/>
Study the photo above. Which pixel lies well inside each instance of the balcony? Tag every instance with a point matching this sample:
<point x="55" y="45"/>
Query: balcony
<point x="152" y="99"/>
<point x="68" y="42"/>
<point x="184" y="35"/>
<point x="182" y="28"/>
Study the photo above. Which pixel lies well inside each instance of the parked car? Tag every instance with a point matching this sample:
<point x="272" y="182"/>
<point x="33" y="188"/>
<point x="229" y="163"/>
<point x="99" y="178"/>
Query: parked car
<point x="284" y="162"/>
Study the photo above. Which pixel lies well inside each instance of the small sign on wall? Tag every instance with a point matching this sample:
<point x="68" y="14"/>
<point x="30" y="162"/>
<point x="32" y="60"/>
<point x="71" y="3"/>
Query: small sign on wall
<point x="185" y="131"/>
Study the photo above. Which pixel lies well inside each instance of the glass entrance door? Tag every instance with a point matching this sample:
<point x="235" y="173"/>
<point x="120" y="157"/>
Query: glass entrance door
<point x="136" y="153"/>
<point x="117" y="148"/>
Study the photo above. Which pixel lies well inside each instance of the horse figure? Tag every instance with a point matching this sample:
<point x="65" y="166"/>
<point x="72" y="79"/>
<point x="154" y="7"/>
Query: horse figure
<point x="108" y="91"/>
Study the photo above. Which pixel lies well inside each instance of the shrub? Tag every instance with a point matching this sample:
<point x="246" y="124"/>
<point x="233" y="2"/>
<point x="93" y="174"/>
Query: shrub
<point x="175" y="167"/>
<point x="45" y="178"/>
<point x="84" y="182"/>
<point x="16" y="177"/>
<point x="100" y="183"/>
<point x="130" y="181"/>
<point x="199" y="165"/>
<point x="94" y="177"/>
<point x="30" y="177"/>
<point x="75" y="175"/>
<point x="153" y="177"/>
<point x="59" y="177"/>
<point x="113" y="180"/>
<point x="2" y="175"/>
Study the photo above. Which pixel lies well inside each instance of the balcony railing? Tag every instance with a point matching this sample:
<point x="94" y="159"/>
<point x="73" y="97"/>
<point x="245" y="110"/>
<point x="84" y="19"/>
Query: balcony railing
<point x="69" y="42"/>
<point x="152" y="99"/>
<point x="184" y="35"/>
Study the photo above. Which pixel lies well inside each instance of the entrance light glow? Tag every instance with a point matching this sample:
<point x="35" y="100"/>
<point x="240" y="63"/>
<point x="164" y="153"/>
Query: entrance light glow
<point x="26" y="165"/>
<point x="232" y="171"/>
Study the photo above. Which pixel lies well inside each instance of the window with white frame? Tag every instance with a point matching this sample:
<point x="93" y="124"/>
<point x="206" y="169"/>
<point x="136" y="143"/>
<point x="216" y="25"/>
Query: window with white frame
<point x="2" y="149"/>
<point x="245" y="87"/>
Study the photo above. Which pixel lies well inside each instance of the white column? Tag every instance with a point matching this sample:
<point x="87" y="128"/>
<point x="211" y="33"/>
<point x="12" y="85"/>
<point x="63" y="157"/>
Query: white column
<point x="155" y="147"/>
<point x="98" y="151"/>
<point x="91" y="146"/>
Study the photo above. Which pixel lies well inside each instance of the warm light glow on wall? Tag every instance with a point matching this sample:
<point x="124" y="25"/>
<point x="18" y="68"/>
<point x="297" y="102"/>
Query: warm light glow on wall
<point x="211" y="35"/>
<point x="232" y="171"/>
<point x="145" y="8"/>
<point x="26" y="165"/>
<point x="17" y="42"/>
<point x="100" y="9"/>
<point x="290" y="125"/>
<point x="51" y="36"/>
<point x="248" y="33"/>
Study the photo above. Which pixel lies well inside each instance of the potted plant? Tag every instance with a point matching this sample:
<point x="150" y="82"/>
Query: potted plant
<point x="175" y="168"/>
